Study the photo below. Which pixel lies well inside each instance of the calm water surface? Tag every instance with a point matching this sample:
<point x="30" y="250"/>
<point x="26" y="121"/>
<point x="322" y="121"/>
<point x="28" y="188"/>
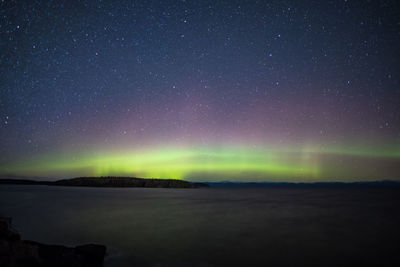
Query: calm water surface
<point x="215" y="226"/>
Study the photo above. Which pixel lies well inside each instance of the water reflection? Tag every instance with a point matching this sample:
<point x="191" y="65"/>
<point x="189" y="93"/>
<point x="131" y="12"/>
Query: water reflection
<point x="213" y="227"/>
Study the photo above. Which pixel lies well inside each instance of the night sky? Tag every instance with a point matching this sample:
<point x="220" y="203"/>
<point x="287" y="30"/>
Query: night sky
<point x="201" y="90"/>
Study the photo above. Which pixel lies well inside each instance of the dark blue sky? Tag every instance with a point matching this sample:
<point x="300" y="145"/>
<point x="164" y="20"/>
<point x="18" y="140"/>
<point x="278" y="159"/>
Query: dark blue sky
<point x="90" y="77"/>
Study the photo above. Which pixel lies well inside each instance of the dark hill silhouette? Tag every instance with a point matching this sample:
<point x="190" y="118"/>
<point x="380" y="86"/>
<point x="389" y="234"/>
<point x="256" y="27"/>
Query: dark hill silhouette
<point x="110" y="182"/>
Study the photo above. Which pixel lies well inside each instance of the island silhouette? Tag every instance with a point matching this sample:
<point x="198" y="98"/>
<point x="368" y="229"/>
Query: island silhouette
<point x="110" y="181"/>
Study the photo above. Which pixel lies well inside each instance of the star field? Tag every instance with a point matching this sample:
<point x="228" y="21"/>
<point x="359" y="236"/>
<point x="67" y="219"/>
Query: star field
<point x="201" y="90"/>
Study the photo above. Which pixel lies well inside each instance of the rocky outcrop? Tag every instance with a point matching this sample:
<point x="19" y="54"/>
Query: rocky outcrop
<point x="15" y="252"/>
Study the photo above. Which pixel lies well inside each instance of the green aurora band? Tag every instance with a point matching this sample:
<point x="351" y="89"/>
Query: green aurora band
<point x="235" y="164"/>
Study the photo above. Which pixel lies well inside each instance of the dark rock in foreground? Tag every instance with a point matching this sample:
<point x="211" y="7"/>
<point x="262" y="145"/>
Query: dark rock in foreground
<point x="112" y="182"/>
<point x="15" y="252"/>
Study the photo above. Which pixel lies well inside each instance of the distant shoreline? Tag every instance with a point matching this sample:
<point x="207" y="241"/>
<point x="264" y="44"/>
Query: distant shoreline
<point x="175" y="183"/>
<point x="370" y="184"/>
<point x="109" y="182"/>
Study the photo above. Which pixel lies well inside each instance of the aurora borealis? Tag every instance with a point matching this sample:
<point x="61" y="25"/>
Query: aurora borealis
<point x="224" y="163"/>
<point x="298" y="91"/>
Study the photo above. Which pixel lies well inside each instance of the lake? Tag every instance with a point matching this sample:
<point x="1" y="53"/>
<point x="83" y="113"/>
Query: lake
<point x="268" y="226"/>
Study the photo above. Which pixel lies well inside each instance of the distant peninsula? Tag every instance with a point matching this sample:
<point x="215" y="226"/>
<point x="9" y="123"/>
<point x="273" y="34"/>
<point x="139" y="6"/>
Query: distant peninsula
<point x="110" y="181"/>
